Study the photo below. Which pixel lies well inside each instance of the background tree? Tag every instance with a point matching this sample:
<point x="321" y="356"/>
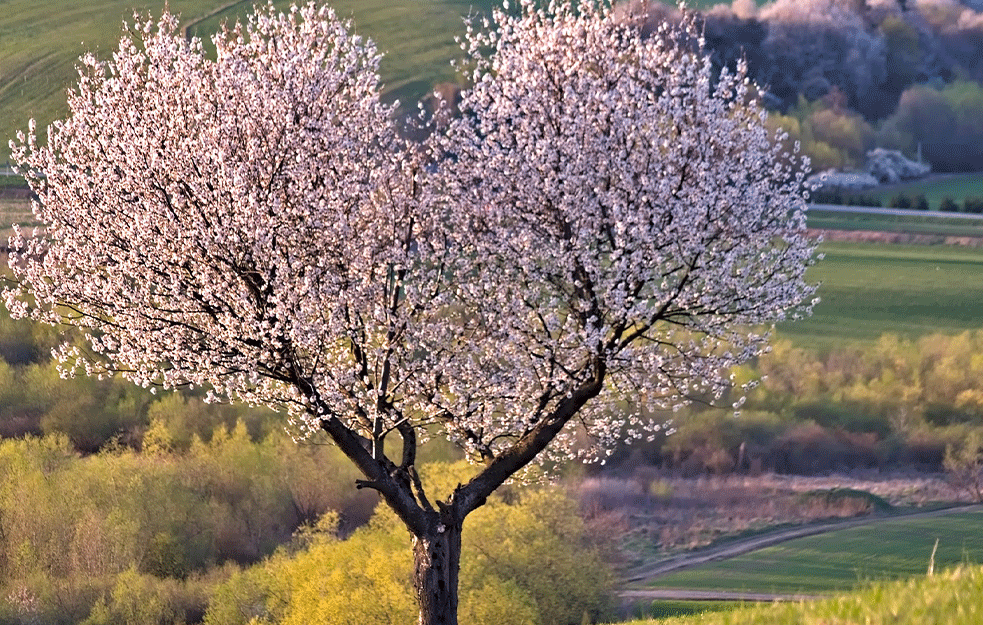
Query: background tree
<point x="964" y="466"/>
<point x="605" y="223"/>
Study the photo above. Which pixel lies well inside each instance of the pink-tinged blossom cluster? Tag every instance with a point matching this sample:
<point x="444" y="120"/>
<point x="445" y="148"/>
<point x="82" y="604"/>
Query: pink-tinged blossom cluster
<point x="243" y="223"/>
<point x="604" y="231"/>
<point x="624" y="215"/>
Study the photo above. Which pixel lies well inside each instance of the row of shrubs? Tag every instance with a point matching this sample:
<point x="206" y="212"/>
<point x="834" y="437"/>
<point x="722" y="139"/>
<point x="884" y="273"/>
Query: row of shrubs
<point x="903" y="393"/>
<point x="914" y="201"/>
<point x="898" y="403"/>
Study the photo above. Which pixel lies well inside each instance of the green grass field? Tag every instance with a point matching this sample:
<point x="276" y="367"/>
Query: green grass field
<point x="41" y="41"/>
<point x="948" y="598"/>
<point x="843" y="559"/>
<point x="926" y="223"/>
<point x="869" y="289"/>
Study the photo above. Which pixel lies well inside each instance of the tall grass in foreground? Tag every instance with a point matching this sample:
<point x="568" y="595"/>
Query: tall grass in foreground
<point x="952" y="597"/>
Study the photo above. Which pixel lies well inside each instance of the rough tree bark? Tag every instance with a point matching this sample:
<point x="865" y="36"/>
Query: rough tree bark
<point x="437" y="560"/>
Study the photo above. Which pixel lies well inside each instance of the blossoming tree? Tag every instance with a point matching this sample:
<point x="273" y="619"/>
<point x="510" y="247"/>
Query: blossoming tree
<point x="606" y="225"/>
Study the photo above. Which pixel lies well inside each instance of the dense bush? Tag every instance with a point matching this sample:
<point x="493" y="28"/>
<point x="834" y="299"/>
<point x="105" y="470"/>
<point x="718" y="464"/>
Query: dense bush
<point x="948" y="205"/>
<point x="101" y="532"/>
<point x="973" y="205"/>
<point x="523" y="551"/>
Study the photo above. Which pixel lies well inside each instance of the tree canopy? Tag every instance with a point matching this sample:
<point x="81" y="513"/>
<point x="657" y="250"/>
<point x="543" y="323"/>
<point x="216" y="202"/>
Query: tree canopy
<point x="607" y="221"/>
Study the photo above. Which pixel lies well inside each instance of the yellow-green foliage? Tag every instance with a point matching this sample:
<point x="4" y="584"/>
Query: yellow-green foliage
<point x="524" y="563"/>
<point x="73" y="528"/>
<point x="949" y="598"/>
<point x="831" y="135"/>
<point x="934" y="379"/>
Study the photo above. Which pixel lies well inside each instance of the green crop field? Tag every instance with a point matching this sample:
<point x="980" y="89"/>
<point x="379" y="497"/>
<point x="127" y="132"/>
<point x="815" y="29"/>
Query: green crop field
<point x="843" y="559"/>
<point x="41" y="41"/>
<point x="948" y="598"/>
<point x="868" y="289"/>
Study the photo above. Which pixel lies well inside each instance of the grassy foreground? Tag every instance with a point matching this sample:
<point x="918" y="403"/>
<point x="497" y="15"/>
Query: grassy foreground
<point x="842" y="559"/>
<point x="948" y="598"/>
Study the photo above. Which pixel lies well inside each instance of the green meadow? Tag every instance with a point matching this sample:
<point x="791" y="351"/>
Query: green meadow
<point x="843" y="559"/>
<point x="41" y="41"/>
<point x="868" y="289"/>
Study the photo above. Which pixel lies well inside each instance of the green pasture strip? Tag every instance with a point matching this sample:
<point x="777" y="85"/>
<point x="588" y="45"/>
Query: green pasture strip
<point x="842" y="559"/>
<point x="955" y="186"/>
<point x="40" y="43"/>
<point x="664" y="608"/>
<point x="12" y="181"/>
<point x="928" y="224"/>
<point x="417" y="38"/>
<point x="947" y="598"/>
<point x="869" y="289"/>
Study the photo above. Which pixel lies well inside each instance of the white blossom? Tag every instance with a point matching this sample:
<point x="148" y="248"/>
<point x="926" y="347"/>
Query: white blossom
<point x="607" y="229"/>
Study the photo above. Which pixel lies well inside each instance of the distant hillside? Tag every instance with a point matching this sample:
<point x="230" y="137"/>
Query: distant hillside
<point x="41" y="41"/>
<point x="846" y="75"/>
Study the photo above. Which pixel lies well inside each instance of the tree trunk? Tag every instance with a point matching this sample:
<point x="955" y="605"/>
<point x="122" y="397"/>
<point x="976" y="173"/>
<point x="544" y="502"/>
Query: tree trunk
<point x="437" y="560"/>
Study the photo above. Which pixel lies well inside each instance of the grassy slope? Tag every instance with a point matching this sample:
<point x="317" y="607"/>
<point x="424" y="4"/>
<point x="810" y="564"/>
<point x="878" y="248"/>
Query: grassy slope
<point x="870" y="289"/>
<point x="843" y="559"/>
<point x="417" y="37"/>
<point x="40" y="42"/>
<point x="948" y="598"/>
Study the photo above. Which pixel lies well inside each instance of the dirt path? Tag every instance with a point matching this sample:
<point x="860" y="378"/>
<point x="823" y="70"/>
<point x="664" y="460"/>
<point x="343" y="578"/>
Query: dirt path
<point x="736" y="548"/>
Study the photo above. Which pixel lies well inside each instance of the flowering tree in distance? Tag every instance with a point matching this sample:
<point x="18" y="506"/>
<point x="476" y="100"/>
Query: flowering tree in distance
<point x="604" y="223"/>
